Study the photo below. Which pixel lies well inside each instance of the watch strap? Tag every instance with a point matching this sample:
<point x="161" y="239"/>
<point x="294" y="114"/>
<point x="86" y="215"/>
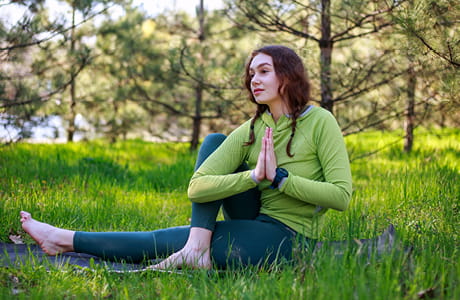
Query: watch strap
<point x="280" y="174"/>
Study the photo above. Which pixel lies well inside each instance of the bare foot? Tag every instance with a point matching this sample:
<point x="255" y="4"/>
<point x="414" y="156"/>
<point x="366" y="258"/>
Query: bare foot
<point x="51" y="239"/>
<point x="192" y="258"/>
<point x="195" y="254"/>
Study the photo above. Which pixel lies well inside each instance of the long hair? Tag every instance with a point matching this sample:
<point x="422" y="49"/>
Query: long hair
<point x="294" y="86"/>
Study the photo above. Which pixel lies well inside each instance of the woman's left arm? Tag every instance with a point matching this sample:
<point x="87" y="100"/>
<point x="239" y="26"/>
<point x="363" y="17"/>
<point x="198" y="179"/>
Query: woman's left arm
<point x="336" y="188"/>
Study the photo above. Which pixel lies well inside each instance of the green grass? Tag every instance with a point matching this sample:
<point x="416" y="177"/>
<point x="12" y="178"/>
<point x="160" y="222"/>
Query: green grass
<point x="136" y="185"/>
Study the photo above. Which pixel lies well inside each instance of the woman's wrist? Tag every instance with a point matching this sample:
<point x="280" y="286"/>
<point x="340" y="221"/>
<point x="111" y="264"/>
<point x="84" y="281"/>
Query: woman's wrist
<point x="271" y="175"/>
<point x="253" y="177"/>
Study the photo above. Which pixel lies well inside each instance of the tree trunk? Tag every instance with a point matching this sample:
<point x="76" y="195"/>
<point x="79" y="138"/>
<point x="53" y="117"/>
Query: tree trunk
<point x="197" y="118"/>
<point x="410" y="111"/>
<point x="199" y="86"/>
<point x="442" y="115"/>
<point x="325" y="45"/>
<point x="71" y="128"/>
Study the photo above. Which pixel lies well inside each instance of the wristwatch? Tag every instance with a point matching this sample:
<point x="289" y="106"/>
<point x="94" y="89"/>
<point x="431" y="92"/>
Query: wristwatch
<point x="280" y="174"/>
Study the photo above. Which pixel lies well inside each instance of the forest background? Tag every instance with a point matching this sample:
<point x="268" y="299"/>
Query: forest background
<point x="109" y="69"/>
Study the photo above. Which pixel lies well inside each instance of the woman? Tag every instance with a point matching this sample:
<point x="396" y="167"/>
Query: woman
<point x="275" y="177"/>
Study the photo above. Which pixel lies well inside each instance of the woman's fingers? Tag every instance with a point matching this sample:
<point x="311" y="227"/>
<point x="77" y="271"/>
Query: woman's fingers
<point x="266" y="162"/>
<point x="259" y="171"/>
<point x="270" y="157"/>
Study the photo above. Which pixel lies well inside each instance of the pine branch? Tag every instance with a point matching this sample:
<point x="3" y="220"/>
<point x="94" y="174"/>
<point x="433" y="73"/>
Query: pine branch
<point x="268" y="22"/>
<point x="449" y="59"/>
<point x="366" y="19"/>
<point x="54" y="34"/>
<point x="9" y="103"/>
<point x="393" y="115"/>
<point x="353" y="91"/>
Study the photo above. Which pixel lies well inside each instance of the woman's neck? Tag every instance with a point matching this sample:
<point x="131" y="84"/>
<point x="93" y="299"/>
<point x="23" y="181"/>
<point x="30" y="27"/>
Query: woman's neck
<point x="277" y="111"/>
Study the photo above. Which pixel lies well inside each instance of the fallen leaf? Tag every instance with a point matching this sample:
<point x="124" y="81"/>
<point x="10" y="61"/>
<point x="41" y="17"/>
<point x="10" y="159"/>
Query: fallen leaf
<point x="15" y="291"/>
<point x="429" y="293"/>
<point x="17" y="239"/>
<point x="358" y="242"/>
<point x="14" y="279"/>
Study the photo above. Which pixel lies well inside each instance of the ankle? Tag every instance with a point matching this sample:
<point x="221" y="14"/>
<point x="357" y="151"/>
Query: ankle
<point x="199" y="241"/>
<point x="64" y="239"/>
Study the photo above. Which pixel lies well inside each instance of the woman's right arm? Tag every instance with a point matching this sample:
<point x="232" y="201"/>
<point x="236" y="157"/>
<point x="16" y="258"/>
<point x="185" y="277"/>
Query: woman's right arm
<point x="215" y="179"/>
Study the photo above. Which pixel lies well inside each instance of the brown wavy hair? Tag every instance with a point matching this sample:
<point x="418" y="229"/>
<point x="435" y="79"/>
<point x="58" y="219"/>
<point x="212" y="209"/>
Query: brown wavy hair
<point x="294" y="86"/>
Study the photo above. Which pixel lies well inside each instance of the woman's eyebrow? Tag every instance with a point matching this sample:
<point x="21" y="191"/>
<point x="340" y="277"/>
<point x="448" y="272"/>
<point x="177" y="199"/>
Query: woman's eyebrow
<point x="260" y="65"/>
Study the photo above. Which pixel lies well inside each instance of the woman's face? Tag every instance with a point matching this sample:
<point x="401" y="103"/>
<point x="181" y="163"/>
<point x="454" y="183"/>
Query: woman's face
<point x="264" y="82"/>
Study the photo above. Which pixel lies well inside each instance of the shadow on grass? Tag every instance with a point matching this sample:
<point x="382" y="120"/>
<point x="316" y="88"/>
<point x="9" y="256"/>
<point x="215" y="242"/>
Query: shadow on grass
<point x="66" y="166"/>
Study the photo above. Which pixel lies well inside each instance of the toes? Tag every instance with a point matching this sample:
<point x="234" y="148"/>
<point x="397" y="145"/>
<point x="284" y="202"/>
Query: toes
<point x="25" y="216"/>
<point x="170" y="262"/>
<point x="180" y="259"/>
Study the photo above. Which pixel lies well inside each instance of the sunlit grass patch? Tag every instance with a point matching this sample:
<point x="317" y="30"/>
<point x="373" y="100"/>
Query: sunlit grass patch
<point x="136" y="185"/>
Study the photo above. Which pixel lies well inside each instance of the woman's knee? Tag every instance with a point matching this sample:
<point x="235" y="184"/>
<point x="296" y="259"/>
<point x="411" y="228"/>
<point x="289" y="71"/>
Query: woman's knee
<point x="213" y="139"/>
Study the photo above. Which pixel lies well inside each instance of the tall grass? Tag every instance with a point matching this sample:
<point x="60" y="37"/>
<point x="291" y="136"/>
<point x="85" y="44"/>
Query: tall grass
<point x="136" y="185"/>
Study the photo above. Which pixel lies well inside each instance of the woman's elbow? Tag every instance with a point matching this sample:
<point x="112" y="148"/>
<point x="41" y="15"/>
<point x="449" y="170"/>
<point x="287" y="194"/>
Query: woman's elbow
<point x="192" y="193"/>
<point x="343" y="206"/>
<point x="343" y="201"/>
<point x="193" y="196"/>
<point x="196" y="195"/>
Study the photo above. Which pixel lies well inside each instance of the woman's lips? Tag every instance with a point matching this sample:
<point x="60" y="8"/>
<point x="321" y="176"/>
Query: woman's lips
<point x="257" y="91"/>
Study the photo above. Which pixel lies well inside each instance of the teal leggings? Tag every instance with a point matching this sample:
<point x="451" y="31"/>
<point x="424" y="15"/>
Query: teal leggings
<point x="244" y="238"/>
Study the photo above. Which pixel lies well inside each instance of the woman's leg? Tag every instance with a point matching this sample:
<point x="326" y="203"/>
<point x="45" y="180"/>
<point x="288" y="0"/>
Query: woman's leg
<point x="129" y="246"/>
<point x="136" y="246"/>
<point x="239" y="243"/>
<point x="245" y="205"/>
<point x="132" y="246"/>
<point x="196" y="252"/>
<point x="234" y="243"/>
<point x="204" y="214"/>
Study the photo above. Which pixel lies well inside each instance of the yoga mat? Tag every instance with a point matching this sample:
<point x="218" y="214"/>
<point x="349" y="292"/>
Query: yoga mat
<point x="15" y="255"/>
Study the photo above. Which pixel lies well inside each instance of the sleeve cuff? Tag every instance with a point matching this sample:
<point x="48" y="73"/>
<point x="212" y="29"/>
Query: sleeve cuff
<point x="280" y="185"/>
<point x="253" y="177"/>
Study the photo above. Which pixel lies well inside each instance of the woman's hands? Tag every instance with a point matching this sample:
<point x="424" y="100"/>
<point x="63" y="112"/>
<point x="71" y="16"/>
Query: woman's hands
<point x="266" y="163"/>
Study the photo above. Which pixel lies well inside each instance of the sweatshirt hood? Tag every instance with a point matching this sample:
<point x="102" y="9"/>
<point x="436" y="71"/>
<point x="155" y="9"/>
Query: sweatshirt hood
<point x="284" y="122"/>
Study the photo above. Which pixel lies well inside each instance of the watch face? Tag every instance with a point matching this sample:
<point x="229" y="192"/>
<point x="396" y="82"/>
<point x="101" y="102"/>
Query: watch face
<point x="283" y="172"/>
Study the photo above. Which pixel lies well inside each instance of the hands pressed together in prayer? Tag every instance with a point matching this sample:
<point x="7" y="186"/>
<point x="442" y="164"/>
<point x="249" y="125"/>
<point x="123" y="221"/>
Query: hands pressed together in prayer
<point x="266" y="163"/>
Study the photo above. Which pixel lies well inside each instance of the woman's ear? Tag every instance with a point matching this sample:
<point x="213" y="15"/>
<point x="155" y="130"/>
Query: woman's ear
<point x="281" y="90"/>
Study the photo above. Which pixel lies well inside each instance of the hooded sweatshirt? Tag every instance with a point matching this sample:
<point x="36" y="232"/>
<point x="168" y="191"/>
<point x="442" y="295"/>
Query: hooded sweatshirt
<point x="319" y="172"/>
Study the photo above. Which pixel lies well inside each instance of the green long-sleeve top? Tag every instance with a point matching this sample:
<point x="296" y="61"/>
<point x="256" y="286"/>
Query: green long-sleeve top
<point x="319" y="172"/>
